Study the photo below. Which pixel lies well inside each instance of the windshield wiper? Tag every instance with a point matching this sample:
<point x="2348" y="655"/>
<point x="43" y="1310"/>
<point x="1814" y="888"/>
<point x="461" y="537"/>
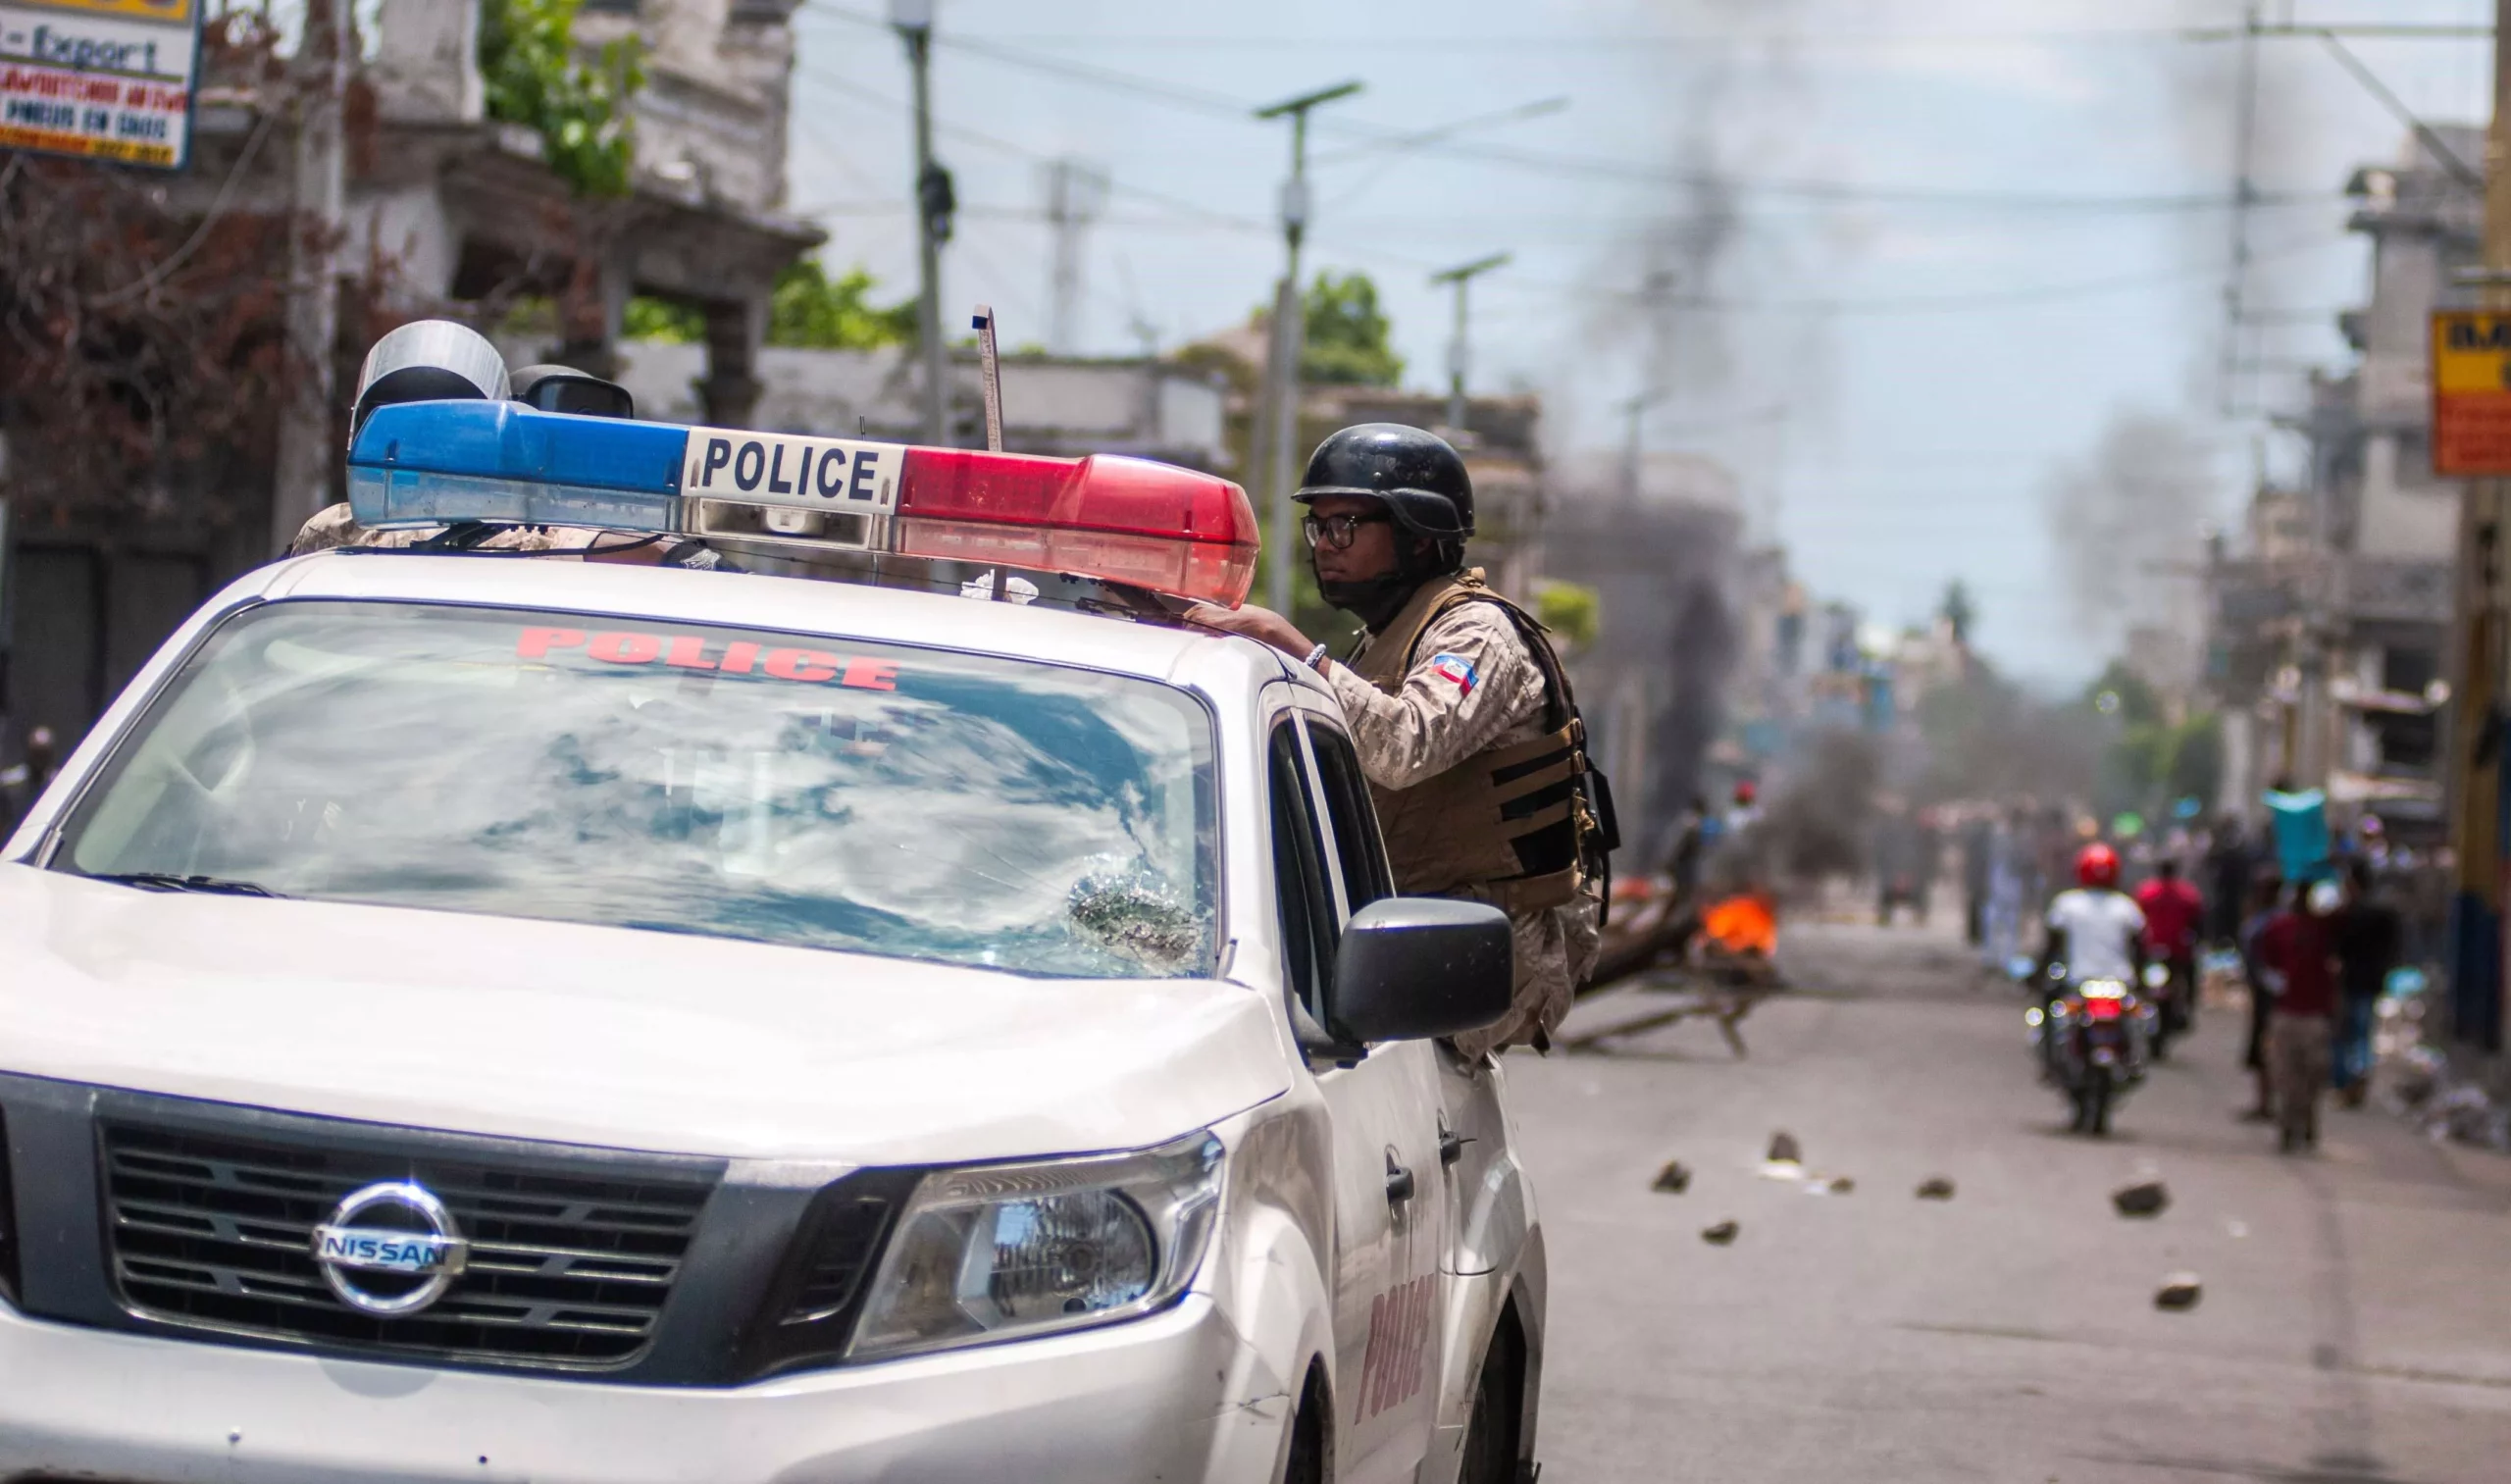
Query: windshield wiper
<point x="168" y="881"/>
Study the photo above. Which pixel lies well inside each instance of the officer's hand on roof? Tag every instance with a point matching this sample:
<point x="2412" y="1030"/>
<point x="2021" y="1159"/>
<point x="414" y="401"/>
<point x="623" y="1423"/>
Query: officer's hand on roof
<point x="1254" y="623"/>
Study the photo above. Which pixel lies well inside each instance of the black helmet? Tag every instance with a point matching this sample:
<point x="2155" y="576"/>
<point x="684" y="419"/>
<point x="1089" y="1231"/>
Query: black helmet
<point x="1419" y="476"/>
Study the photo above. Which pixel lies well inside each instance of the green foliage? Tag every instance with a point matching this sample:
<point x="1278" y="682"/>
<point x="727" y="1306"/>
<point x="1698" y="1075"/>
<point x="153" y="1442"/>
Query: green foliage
<point x="534" y="77"/>
<point x="1347" y="335"/>
<point x="813" y="311"/>
<point x="2152" y="761"/>
<point x="2196" y="768"/>
<point x="1571" y="610"/>
<point x="2123" y="695"/>
<point x="664" y="320"/>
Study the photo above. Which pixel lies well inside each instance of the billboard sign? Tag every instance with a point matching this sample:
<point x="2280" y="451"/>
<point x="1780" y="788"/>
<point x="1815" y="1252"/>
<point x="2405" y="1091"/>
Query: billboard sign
<point x="100" y="80"/>
<point x="2470" y="395"/>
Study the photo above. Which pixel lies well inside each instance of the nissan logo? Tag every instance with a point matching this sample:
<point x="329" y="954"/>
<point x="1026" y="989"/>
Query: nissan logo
<point x="390" y="1270"/>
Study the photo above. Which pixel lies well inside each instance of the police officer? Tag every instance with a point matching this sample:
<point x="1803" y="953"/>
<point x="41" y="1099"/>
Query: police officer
<point x="1462" y="717"/>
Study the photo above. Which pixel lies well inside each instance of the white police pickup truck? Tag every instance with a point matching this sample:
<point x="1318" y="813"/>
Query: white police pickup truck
<point x="481" y="1015"/>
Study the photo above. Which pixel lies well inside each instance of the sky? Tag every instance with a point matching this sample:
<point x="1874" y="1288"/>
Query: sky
<point x="1917" y="265"/>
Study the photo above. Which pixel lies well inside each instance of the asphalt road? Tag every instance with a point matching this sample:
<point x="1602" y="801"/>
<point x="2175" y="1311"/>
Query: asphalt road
<point x="2355" y="1323"/>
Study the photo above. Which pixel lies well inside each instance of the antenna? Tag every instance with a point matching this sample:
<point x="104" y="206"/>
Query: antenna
<point x="990" y="367"/>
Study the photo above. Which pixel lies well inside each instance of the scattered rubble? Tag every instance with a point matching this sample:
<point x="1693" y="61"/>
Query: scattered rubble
<point x="1783" y="1150"/>
<point x="2147" y="1199"/>
<point x="1935" y="1187"/>
<point x="2179" y="1293"/>
<point x="1719" y="1235"/>
<point x="1841" y="1185"/>
<point x="1673" y="1179"/>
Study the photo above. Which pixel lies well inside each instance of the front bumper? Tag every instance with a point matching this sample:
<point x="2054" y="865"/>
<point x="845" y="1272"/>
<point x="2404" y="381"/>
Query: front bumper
<point x="1175" y="1396"/>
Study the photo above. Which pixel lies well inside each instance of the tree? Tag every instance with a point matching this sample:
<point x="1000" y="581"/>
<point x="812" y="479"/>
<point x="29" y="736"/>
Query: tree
<point x="1571" y="610"/>
<point x="811" y="309"/>
<point x="533" y="76"/>
<point x="1347" y="335"/>
<point x="142" y="350"/>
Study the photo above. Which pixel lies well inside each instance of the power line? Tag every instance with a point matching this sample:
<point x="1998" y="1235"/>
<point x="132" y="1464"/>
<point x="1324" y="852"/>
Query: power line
<point x="1701" y="303"/>
<point x="1551" y="162"/>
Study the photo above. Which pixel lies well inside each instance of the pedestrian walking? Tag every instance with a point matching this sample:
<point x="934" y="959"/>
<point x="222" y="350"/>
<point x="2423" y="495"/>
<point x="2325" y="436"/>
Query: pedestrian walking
<point x="2369" y="936"/>
<point x="2010" y="877"/>
<point x="2298" y="952"/>
<point x="2259" y="902"/>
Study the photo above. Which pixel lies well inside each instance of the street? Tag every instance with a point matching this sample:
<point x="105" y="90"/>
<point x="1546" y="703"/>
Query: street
<point x="2356" y="1315"/>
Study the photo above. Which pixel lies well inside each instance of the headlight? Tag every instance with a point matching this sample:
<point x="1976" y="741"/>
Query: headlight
<point x="1012" y="1250"/>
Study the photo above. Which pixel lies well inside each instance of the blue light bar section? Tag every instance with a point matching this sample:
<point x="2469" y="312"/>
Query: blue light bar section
<point x="437" y="462"/>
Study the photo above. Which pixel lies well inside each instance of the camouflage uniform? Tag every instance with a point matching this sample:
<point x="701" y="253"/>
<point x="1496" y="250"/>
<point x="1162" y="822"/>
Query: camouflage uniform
<point x="334" y="526"/>
<point x="1474" y="689"/>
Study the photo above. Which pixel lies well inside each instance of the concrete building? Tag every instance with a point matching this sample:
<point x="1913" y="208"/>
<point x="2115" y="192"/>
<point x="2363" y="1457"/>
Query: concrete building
<point x="1057" y="405"/>
<point x="2330" y="611"/>
<point x="448" y="213"/>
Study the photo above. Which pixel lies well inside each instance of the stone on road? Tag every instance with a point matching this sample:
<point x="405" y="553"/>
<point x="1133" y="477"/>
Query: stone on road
<point x="2357" y="1317"/>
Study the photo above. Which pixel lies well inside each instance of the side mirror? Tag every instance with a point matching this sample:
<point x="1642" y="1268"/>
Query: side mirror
<point x="1413" y="968"/>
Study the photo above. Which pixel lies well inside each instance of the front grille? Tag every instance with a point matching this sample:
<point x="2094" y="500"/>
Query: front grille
<point x="569" y="1267"/>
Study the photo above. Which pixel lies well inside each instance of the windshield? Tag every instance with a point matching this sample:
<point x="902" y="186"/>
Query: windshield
<point x="919" y="803"/>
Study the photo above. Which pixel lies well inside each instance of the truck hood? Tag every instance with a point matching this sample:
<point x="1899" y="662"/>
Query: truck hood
<point x="607" y="1036"/>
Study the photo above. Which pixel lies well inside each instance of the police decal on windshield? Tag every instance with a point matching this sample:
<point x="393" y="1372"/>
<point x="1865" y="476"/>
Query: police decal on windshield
<point x="787" y="468"/>
<point x="690" y="651"/>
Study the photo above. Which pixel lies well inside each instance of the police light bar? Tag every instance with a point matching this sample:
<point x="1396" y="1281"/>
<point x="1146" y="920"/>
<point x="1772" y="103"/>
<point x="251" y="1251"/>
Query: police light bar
<point x="1121" y="520"/>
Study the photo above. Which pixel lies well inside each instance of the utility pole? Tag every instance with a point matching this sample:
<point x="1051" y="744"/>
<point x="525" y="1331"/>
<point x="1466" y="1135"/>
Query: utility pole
<point x="2245" y="195"/>
<point x="1633" y="410"/>
<point x="306" y="453"/>
<point x="1076" y="193"/>
<point x="934" y="204"/>
<point x="2476" y="768"/>
<point x="1289" y="339"/>
<point x="1460" y="349"/>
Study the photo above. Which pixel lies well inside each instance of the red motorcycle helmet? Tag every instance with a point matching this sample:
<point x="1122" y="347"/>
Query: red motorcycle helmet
<point x="2097" y="865"/>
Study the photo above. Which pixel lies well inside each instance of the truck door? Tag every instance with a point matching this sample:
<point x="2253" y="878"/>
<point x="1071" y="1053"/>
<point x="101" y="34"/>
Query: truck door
<point x="1390" y="1210"/>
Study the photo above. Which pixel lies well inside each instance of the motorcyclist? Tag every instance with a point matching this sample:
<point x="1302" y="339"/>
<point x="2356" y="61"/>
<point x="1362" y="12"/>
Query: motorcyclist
<point x="2096" y="931"/>
<point x="2175" y="914"/>
<point x="1457" y="705"/>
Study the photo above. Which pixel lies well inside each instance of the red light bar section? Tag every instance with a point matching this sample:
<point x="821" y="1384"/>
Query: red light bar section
<point x="1171" y="530"/>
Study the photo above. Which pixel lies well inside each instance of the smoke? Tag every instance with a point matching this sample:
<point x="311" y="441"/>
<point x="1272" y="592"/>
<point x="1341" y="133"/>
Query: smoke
<point x="2125" y="516"/>
<point x="1817" y="823"/>
<point x="1730" y="114"/>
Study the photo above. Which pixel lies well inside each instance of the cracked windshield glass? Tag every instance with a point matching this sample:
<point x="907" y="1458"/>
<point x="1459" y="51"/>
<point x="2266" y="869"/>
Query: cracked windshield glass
<point x="822" y="793"/>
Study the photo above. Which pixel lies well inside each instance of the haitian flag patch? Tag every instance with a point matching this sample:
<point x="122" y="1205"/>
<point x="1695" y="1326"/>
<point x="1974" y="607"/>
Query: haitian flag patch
<point x="1458" y="668"/>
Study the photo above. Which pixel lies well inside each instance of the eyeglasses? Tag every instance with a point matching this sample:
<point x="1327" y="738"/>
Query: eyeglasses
<point x="1339" y="530"/>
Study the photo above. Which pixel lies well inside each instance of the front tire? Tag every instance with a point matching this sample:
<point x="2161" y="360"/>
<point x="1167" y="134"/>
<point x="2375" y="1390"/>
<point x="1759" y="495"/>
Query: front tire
<point x="2096" y="1103"/>
<point x="1307" y="1462"/>
<point x="1492" y="1438"/>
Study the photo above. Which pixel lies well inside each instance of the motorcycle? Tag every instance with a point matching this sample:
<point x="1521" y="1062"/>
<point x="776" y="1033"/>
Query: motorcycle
<point x="2173" y="997"/>
<point x="2093" y="1036"/>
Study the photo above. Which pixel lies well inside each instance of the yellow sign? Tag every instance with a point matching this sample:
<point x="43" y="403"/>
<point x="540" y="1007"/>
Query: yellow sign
<point x="178" y="12"/>
<point x="2470" y="395"/>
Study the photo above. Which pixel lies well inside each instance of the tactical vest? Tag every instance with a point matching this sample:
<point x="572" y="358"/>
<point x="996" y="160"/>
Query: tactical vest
<point x="1512" y="820"/>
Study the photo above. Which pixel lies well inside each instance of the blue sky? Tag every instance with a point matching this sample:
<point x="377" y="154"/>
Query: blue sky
<point x="1959" y="235"/>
